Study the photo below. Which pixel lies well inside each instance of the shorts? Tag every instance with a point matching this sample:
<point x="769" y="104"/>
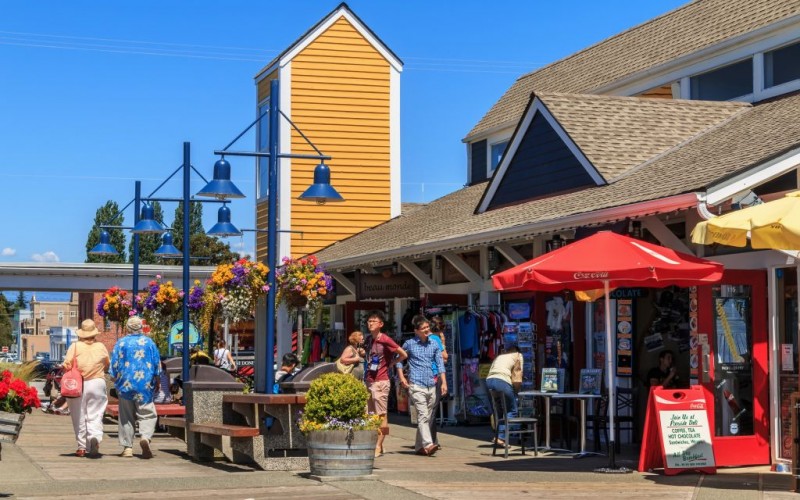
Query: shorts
<point x="379" y="397"/>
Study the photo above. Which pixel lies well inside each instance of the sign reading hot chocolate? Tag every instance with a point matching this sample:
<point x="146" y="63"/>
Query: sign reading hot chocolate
<point x="376" y="286"/>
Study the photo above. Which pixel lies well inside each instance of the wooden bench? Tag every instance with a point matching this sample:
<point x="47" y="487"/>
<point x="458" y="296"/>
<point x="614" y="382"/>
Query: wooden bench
<point x="235" y="431"/>
<point x="176" y="426"/>
<point x="167" y="409"/>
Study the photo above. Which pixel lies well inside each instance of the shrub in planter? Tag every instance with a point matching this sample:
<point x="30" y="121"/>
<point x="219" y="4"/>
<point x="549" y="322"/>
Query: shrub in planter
<point x="341" y="435"/>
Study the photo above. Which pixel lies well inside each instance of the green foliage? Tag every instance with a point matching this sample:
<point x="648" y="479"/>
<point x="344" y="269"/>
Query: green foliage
<point x="21" y="304"/>
<point x="108" y="214"/>
<point x="148" y="242"/>
<point x="211" y="249"/>
<point x="335" y="396"/>
<point x="6" y="311"/>
<point x="195" y="223"/>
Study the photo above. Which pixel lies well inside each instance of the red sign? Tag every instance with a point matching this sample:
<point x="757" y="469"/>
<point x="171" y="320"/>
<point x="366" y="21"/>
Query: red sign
<point x="677" y="436"/>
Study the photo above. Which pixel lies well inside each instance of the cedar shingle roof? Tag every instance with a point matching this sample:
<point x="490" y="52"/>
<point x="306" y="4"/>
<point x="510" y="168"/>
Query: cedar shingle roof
<point x="618" y="133"/>
<point x="681" y="32"/>
<point x="747" y="138"/>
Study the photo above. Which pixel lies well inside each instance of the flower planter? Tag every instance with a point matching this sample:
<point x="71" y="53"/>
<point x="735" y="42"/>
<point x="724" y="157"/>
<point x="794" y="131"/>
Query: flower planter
<point x="10" y="426"/>
<point x="341" y="453"/>
<point x="296" y="300"/>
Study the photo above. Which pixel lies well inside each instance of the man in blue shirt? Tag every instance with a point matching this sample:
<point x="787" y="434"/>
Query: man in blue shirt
<point x="422" y="380"/>
<point x="135" y="366"/>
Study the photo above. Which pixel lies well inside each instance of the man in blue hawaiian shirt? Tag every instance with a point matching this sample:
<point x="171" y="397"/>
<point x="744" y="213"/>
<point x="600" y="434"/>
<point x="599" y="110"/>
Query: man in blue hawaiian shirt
<point x="135" y="366"/>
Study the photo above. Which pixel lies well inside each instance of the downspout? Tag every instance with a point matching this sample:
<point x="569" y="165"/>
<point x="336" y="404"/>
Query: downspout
<point x="702" y="207"/>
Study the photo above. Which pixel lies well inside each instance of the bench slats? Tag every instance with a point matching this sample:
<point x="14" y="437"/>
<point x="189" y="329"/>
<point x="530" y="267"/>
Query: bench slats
<point x="161" y="409"/>
<point x="225" y="430"/>
<point x="172" y="421"/>
<point x="265" y="399"/>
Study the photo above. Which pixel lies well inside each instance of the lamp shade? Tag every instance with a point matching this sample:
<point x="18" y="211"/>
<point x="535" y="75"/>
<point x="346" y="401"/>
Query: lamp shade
<point x="321" y="191"/>
<point x="148" y="223"/>
<point x="104" y="247"/>
<point x="167" y="249"/>
<point x="221" y="185"/>
<point x="223" y="227"/>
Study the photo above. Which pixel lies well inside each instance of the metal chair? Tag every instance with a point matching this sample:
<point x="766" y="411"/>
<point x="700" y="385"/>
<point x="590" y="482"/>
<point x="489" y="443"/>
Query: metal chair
<point x="512" y="426"/>
<point x="624" y="418"/>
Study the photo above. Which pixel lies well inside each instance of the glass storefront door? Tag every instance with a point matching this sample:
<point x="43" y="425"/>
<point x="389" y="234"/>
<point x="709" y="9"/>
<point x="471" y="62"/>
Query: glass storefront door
<point x="733" y="313"/>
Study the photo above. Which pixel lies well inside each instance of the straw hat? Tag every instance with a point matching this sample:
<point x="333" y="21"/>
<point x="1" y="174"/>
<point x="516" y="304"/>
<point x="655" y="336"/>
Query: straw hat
<point x="88" y="330"/>
<point x="134" y="324"/>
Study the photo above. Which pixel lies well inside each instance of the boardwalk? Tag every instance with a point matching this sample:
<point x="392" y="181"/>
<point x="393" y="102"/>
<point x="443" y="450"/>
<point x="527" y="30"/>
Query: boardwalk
<point x="42" y="465"/>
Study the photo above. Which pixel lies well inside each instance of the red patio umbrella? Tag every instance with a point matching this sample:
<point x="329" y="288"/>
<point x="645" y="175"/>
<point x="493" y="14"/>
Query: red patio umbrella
<point x="608" y="260"/>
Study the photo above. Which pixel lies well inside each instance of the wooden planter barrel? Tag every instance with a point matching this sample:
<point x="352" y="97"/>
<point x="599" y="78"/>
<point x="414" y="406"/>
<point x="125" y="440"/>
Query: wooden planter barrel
<point x="341" y="453"/>
<point x="10" y="425"/>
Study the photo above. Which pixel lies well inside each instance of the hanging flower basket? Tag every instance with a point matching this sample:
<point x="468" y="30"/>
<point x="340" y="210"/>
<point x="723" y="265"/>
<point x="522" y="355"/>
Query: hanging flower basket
<point x="234" y="289"/>
<point x="302" y="283"/>
<point x="116" y="305"/>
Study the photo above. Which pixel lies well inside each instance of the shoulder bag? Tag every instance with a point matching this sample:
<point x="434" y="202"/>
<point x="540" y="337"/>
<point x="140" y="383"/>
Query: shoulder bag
<point x="72" y="380"/>
<point x="343" y="368"/>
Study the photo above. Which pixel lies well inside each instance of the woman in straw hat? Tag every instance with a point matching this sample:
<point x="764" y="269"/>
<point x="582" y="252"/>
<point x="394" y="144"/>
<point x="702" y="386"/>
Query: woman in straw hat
<point x="87" y="410"/>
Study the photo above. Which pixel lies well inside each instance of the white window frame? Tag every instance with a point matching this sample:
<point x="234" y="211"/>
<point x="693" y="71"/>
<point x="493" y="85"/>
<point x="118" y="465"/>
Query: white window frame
<point x="42" y="314"/>
<point x="73" y="314"/>
<point x="259" y="194"/>
<point x="492" y="141"/>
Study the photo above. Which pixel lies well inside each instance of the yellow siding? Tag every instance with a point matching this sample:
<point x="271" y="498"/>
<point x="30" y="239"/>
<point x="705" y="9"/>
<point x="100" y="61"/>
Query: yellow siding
<point x="340" y="100"/>
<point x="263" y="86"/>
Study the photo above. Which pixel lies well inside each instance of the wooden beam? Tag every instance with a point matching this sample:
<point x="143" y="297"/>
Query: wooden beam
<point x="346" y="283"/>
<point x="664" y="235"/>
<point x="462" y="267"/>
<point x="420" y="275"/>
<point x="509" y="253"/>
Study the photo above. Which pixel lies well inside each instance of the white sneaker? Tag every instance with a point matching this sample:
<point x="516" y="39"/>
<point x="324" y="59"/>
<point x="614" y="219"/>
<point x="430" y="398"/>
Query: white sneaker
<point x="146" y="452"/>
<point x="127" y="453"/>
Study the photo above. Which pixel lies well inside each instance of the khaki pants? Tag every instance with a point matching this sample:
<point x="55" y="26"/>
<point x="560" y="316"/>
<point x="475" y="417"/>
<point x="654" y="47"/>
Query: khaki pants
<point x="424" y="401"/>
<point x="129" y="413"/>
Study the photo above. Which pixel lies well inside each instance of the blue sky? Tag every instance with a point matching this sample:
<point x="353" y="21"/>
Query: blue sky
<point x="96" y="95"/>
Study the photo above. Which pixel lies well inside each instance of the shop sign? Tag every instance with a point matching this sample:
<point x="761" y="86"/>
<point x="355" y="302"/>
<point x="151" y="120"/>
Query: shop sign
<point x="376" y="286"/>
<point x="628" y="293"/>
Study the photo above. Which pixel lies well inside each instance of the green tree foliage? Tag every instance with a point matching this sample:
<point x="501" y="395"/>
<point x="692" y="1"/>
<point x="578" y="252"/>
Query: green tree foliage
<point x="104" y="215"/>
<point x="211" y="250"/>
<point x="21" y="304"/>
<point x="148" y="242"/>
<point x="6" y="338"/>
<point x="335" y="395"/>
<point x="195" y="222"/>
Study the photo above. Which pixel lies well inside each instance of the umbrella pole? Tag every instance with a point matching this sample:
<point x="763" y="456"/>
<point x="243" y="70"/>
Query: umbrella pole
<point x="612" y="400"/>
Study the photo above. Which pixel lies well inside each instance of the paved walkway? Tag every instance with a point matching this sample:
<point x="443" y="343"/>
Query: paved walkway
<point x="42" y="464"/>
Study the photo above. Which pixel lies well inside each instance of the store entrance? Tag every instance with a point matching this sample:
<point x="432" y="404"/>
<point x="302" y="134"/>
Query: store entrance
<point x="732" y="326"/>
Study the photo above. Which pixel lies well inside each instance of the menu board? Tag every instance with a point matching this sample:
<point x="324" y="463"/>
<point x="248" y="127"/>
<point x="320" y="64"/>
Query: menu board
<point x="625" y="337"/>
<point x="676" y="434"/>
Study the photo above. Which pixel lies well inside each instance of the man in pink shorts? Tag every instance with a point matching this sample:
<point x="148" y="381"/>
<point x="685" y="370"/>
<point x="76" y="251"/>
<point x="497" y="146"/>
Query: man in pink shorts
<point x="381" y="353"/>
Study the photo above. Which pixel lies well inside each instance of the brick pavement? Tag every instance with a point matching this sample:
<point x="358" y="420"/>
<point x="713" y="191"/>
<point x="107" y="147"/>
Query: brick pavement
<point x="42" y="465"/>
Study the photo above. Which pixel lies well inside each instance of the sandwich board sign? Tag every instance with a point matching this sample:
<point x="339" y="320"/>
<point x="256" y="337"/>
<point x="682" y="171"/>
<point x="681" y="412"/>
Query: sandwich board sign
<point x="677" y="436"/>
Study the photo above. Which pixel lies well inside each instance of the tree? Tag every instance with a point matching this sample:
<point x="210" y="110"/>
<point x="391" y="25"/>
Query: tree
<point x="107" y="214"/>
<point x="148" y="242"/>
<point x="195" y="222"/>
<point x="6" y="337"/>
<point x="210" y="249"/>
<point x="21" y="304"/>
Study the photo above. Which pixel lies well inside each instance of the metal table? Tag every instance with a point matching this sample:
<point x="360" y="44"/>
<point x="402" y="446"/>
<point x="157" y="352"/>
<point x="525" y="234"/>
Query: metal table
<point x="582" y="398"/>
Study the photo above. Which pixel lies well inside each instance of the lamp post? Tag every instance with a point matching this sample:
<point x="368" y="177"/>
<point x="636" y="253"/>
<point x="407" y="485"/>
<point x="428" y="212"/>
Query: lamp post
<point x="220" y="187"/>
<point x="320" y="191"/>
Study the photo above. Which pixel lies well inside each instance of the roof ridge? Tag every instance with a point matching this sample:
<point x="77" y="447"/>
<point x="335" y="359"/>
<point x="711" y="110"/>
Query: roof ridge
<point x="616" y="35"/>
<point x="744" y="109"/>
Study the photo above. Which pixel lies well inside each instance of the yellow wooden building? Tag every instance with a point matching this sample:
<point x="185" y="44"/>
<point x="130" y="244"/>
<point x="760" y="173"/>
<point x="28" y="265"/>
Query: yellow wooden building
<point x="340" y="85"/>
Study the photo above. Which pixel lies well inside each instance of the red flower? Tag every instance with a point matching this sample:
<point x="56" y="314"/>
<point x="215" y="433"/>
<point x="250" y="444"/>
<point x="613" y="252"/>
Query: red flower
<point x="4" y="387"/>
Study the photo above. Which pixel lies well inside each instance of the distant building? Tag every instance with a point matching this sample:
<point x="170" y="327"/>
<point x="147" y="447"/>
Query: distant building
<point x="42" y="316"/>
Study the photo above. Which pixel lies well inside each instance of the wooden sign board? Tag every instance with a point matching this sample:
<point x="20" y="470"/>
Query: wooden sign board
<point x="677" y="436"/>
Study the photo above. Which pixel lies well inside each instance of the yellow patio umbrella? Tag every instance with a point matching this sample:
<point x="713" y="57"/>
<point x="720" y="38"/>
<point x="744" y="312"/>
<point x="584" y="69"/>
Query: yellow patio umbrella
<point x="774" y="225"/>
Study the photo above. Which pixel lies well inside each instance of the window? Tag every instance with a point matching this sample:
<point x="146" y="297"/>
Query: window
<point x="262" y="140"/>
<point x="782" y="65"/>
<point x="722" y="84"/>
<point x="42" y="314"/>
<point x="496" y="154"/>
<point x="73" y="314"/>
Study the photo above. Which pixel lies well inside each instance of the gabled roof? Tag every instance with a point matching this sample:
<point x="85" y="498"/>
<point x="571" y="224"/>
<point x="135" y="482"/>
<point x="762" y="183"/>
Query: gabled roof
<point x="342" y="10"/>
<point x="677" y="34"/>
<point x="748" y="139"/>
<point x="614" y="134"/>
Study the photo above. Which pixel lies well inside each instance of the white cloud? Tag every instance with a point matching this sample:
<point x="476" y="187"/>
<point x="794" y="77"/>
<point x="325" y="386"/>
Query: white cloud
<point x="48" y="256"/>
<point x="8" y="252"/>
<point x="250" y="254"/>
<point x="238" y="244"/>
